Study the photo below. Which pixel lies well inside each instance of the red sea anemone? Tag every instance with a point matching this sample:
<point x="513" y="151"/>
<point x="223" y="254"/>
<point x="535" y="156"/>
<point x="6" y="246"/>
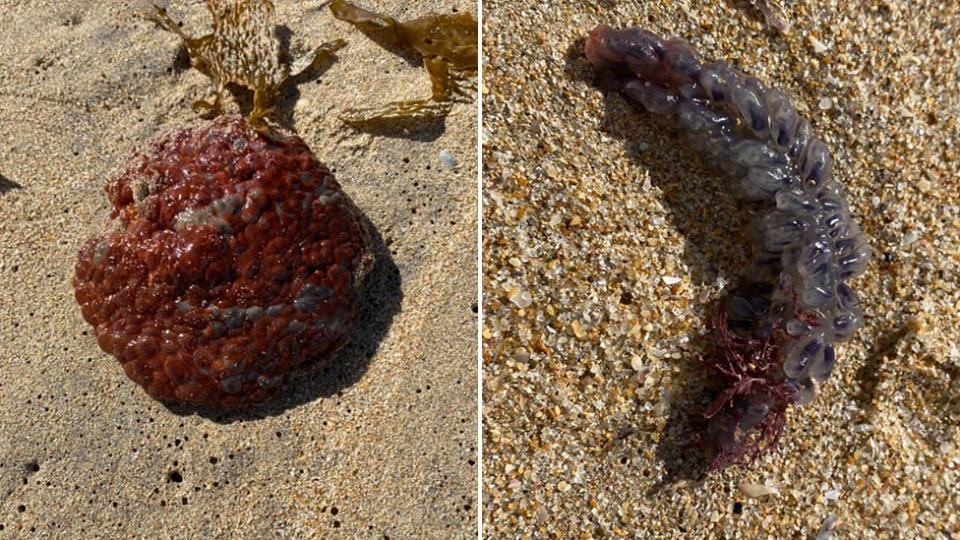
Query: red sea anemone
<point x="229" y="259"/>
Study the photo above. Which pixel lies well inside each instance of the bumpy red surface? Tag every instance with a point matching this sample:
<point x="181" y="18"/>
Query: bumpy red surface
<point x="229" y="259"/>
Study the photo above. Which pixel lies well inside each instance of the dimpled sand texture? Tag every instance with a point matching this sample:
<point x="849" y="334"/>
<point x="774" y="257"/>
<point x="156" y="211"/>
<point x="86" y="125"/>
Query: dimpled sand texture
<point x="807" y="246"/>
<point x="378" y="441"/>
<point x="229" y="260"/>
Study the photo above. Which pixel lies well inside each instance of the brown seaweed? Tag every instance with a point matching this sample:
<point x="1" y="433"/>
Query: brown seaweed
<point x="447" y="44"/>
<point x="243" y="49"/>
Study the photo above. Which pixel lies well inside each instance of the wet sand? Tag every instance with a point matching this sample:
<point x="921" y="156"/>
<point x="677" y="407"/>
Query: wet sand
<point x="380" y="442"/>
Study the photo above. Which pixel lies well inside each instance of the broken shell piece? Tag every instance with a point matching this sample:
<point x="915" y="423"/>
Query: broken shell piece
<point x="755" y="491"/>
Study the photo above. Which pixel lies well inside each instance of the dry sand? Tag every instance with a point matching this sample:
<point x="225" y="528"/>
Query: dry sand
<point x="380" y="443"/>
<point x="605" y="240"/>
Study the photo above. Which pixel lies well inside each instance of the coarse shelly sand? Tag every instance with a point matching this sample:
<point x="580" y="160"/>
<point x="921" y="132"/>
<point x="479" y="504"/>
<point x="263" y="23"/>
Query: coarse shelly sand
<point x="605" y="242"/>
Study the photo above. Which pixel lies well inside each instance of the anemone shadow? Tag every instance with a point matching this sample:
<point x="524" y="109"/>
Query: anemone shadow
<point x="381" y="299"/>
<point x="7" y="184"/>
<point x="657" y="149"/>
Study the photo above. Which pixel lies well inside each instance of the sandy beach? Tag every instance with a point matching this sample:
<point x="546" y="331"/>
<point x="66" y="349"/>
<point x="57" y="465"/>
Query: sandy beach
<point x="379" y="443"/>
<point x="606" y="241"/>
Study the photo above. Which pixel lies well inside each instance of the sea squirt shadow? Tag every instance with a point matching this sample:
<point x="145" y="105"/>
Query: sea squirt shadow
<point x="706" y="213"/>
<point x="381" y="297"/>
<point x="7" y="184"/>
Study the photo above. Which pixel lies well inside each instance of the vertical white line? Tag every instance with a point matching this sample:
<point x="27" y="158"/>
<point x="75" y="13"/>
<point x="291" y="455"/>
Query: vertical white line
<point x="479" y="270"/>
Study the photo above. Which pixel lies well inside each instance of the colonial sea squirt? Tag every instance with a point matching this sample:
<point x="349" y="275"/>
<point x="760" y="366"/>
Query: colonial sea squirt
<point x="231" y="255"/>
<point x="777" y="331"/>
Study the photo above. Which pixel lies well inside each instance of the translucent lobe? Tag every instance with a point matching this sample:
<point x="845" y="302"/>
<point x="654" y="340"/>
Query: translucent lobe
<point x="808" y="246"/>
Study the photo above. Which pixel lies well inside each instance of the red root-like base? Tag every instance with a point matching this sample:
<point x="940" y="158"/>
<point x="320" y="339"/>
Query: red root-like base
<point x="746" y="368"/>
